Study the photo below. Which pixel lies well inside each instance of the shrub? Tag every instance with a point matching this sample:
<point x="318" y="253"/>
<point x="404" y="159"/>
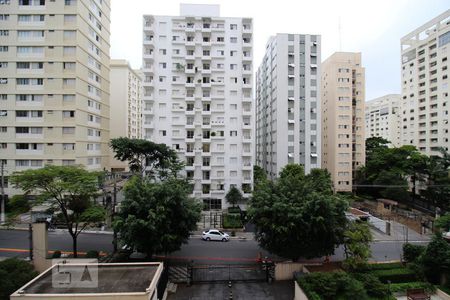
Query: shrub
<point x="373" y="285"/>
<point x="385" y="266"/>
<point x="402" y="287"/>
<point x="56" y="254"/>
<point x="14" y="273"/>
<point x="412" y="252"/>
<point x="232" y="221"/>
<point x="394" y="275"/>
<point x="333" y="285"/>
<point x="92" y="254"/>
<point x="18" y="204"/>
<point x="435" y="260"/>
<point x="234" y="210"/>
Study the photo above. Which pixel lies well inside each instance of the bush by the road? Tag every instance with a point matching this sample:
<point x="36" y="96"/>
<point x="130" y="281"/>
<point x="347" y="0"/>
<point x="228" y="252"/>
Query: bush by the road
<point x="412" y="252"/>
<point x="333" y="285"/>
<point x="92" y="254"/>
<point x="14" y="273"/>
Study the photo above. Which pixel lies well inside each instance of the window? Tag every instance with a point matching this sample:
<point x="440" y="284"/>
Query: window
<point x="233" y="26"/>
<point x="69" y="50"/>
<point x="233" y="133"/>
<point x="68" y="130"/>
<point x="4" y="17"/>
<point x="162" y="65"/>
<point x="35" y="50"/>
<point x="3" y="48"/>
<point x="4" y="32"/>
<point x="68" y="113"/>
<point x="68" y="146"/>
<point x="233" y="40"/>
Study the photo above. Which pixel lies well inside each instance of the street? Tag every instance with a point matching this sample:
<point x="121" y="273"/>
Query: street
<point x="16" y="243"/>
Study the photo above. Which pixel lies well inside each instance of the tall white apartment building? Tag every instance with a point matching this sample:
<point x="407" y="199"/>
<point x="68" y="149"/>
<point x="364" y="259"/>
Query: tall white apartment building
<point x="125" y="105"/>
<point x="54" y="83"/>
<point x="343" y="100"/>
<point x="288" y="125"/>
<point x="384" y="118"/>
<point x="198" y="96"/>
<point x="425" y="71"/>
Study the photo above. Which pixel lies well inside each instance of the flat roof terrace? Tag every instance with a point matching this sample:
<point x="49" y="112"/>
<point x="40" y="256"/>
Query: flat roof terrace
<point x="111" y="278"/>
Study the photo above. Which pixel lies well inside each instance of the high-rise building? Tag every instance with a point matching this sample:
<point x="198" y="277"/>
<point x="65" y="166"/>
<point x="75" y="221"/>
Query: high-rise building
<point x="54" y="85"/>
<point x="125" y="105"/>
<point x="425" y="100"/>
<point x="288" y="103"/>
<point x="383" y="118"/>
<point x="343" y="96"/>
<point x="198" y="96"/>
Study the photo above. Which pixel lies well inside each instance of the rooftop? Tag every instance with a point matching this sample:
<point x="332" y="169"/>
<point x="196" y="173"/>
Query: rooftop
<point x="112" y="278"/>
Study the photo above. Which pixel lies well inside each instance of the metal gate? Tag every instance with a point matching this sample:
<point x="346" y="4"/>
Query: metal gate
<point x="226" y="273"/>
<point x="196" y="273"/>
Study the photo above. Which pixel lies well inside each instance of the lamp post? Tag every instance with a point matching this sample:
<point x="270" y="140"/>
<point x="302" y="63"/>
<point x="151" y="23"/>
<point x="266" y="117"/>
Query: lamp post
<point x="2" y="214"/>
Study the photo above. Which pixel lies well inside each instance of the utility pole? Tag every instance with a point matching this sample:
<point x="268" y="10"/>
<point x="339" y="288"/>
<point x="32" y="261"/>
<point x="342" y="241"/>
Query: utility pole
<point x="2" y="215"/>
<point x="113" y="213"/>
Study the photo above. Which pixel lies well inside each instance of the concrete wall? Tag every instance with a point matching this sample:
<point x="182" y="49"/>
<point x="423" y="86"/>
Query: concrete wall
<point x="40" y="247"/>
<point x="299" y="294"/>
<point x="136" y="296"/>
<point x="380" y="224"/>
<point x="285" y="270"/>
<point x="443" y="295"/>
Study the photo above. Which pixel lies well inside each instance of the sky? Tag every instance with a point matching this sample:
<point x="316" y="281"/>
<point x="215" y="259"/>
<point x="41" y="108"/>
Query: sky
<point x="372" y="27"/>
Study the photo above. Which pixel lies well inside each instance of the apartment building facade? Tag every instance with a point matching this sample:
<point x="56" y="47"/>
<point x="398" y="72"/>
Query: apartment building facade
<point x="425" y="58"/>
<point x="54" y="85"/>
<point x="125" y="105"/>
<point x="343" y="104"/>
<point x="384" y="118"/>
<point x="288" y="123"/>
<point x="198" y="97"/>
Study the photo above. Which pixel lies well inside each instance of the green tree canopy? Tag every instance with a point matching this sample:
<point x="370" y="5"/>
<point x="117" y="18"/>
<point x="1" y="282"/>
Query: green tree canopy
<point x="298" y="211"/>
<point x="70" y="188"/>
<point x="259" y="175"/>
<point x="143" y="155"/>
<point x="157" y="217"/>
<point x="234" y="196"/>
<point x="357" y="240"/>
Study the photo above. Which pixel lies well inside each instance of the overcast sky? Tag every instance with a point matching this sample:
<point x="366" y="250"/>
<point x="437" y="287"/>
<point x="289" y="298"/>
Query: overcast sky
<point x="373" y="27"/>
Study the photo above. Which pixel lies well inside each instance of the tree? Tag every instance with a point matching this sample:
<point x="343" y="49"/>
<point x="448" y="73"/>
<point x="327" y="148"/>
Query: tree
<point x="374" y="144"/>
<point x="143" y="155"/>
<point x="14" y="273"/>
<point x="234" y="196"/>
<point x="438" y="181"/>
<point x="259" y="175"/>
<point x="443" y="222"/>
<point x="297" y="211"/>
<point x="71" y="189"/>
<point x="435" y="260"/>
<point x="357" y="240"/>
<point x="156" y="217"/>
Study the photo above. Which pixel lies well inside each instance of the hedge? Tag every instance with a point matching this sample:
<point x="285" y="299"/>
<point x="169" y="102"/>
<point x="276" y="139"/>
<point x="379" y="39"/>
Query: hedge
<point x="232" y="221"/>
<point x="386" y="266"/>
<point x="402" y="287"/>
<point x="395" y="275"/>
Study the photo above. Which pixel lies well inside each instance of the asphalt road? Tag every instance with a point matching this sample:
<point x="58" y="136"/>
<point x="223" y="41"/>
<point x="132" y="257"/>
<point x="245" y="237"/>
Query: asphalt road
<point x="16" y="243"/>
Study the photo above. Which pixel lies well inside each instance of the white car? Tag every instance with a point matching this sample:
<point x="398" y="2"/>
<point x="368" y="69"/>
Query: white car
<point x="215" y="235"/>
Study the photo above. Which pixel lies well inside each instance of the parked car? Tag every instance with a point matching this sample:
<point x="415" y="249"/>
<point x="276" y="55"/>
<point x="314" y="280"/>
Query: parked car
<point x="215" y="235"/>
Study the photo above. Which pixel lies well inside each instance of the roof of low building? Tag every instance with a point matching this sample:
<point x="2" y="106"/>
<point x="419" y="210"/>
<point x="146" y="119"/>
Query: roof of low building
<point x="112" y="278"/>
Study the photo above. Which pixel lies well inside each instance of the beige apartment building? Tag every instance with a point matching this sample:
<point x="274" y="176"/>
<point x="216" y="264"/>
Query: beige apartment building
<point x="126" y="105"/>
<point x="343" y="96"/>
<point x="384" y="119"/>
<point x="54" y="84"/>
<point x="425" y="100"/>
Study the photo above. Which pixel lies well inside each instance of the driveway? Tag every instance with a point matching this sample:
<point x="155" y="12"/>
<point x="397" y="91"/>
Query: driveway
<point x="281" y="290"/>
